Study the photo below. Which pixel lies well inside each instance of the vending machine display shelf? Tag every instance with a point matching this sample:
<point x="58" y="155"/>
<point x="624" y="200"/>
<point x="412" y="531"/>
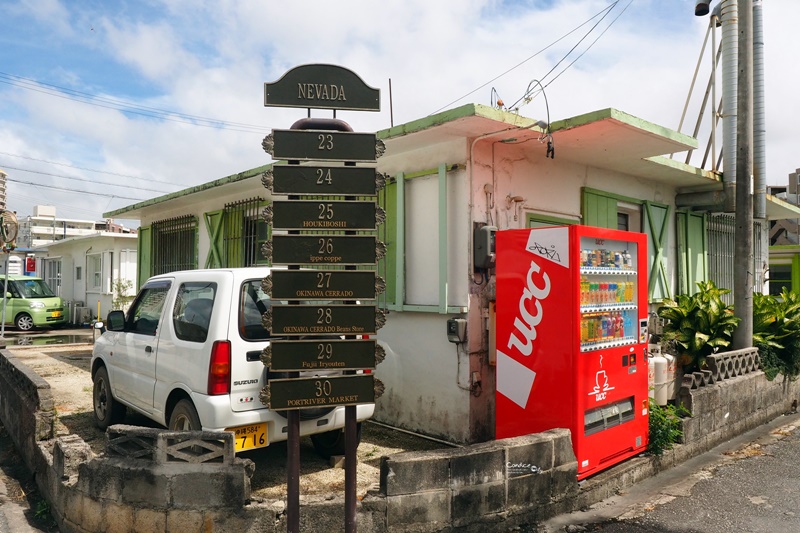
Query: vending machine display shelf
<point x="608" y="271"/>
<point x="587" y="309"/>
<point x="611" y="343"/>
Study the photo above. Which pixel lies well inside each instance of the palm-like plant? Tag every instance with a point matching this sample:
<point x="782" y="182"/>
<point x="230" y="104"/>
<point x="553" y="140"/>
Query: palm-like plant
<point x="700" y="324"/>
<point x="776" y="333"/>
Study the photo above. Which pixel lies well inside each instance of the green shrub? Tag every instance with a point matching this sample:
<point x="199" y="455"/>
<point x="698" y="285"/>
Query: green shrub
<point x="776" y="334"/>
<point x="698" y="325"/>
<point x="665" y="427"/>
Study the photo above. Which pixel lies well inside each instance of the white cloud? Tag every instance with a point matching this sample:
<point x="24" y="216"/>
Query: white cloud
<point x="211" y="59"/>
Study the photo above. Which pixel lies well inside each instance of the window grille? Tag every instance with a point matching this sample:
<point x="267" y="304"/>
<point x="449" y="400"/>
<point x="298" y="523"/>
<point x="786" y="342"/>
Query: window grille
<point x="174" y="244"/>
<point x="722" y="254"/>
<point x="245" y="231"/>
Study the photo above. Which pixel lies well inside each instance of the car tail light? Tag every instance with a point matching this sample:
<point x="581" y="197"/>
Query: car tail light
<point x="219" y="369"/>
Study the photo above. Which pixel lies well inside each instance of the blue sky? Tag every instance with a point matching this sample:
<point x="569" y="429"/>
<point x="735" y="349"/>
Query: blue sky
<point x="156" y="70"/>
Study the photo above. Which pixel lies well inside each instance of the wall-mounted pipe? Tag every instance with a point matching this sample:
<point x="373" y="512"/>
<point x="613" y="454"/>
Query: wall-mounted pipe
<point x="727" y="12"/>
<point x="759" y="120"/>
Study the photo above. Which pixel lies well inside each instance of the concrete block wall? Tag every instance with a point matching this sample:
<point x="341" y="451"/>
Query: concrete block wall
<point x="479" y="484"/>
<point x="733" y="406"/>
<point x="26" y="405"/>
<point x="501" y="483"/>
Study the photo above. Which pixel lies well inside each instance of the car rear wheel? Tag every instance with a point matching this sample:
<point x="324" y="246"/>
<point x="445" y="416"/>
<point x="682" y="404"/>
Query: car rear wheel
<point x="107" y="411"/>
<point x="331" y="443"/>
<point x="184" y="417"/>
<point x="24" y="322"/>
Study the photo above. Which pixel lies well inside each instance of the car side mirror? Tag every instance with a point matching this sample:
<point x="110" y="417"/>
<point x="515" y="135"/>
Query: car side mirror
<point x="115" y="321"/>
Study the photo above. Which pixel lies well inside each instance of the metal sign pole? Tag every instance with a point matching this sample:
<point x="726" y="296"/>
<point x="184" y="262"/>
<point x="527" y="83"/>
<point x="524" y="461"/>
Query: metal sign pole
<point x="293" y="472"/>
<point x="322" y="140"/>
<point x="5" y="300"/>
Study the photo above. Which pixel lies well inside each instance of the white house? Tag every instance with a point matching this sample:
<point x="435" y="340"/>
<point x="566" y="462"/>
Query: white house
<point x="90" y="272"/>
<point x="450" y="174"/>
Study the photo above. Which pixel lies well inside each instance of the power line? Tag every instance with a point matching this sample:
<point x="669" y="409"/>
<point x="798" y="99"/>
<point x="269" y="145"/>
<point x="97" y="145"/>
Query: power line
<point x="127" y="107"/>
<point x="73" y="191"/>
<point x="592" y="43"/>
<point x="530" y="57"/>
<point x="149" y="189"/>
<point x="529" y="91"/>
<point x="89" y="169"/>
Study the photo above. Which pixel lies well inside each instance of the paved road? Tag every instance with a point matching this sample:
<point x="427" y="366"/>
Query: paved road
<point x="747" y="485"/>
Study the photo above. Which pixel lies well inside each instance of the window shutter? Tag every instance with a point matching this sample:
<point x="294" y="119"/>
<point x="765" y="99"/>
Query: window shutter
<point x="233" y="236"/>
<point x="214" y="227"/>
<point x="692" y="250"/>
<point x="144" y="255"/>
<point x="656" y="224"/>
<point x="599" y="210"/>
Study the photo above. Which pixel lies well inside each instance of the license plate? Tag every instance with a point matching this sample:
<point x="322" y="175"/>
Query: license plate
<point x="250" y="437"/>
<point x="56" y="314"/>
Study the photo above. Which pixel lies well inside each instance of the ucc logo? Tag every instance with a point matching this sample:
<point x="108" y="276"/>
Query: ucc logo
<point x="526" y="322"/>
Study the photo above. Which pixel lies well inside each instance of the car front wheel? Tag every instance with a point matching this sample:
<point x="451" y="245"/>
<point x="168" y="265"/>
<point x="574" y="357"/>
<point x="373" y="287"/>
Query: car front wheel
<point x="24" y="322"/>
<point x="107" y="411"/>
<point x="184" y="417"/>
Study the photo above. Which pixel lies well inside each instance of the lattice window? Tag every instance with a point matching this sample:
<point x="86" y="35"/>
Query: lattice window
<point x="174" y="244"/>
<point x="244" y="233"/>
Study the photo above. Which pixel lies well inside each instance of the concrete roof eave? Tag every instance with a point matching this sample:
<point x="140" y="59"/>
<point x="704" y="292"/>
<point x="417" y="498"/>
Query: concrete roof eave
<point x="56" y="244"/>
<point x="606" y="139"/>
<point x="191" y="195"/>
<point x="778" y="209"/>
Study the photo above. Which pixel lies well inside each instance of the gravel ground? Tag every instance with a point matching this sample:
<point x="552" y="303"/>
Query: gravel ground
<point x="66" y="369"/>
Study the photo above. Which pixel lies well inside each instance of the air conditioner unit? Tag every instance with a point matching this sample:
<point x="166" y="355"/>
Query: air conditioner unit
<point x="83" y="315"/>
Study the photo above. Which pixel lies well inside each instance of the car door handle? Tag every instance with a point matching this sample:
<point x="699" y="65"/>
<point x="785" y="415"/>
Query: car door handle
<point x="148" y="349"/>
<point x="254" y="355"/>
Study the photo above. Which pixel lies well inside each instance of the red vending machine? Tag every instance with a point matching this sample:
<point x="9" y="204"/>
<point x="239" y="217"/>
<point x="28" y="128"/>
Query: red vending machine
<point x="571" y="335"/>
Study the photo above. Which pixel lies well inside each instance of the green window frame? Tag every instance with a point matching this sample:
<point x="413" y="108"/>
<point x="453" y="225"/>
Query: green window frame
<point x="782" y="274"/>
<point x="392" y="267"/>
<point x="600" y="209"/>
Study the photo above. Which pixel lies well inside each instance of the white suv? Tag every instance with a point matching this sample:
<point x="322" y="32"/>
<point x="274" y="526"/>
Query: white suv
<point x="187" y="355"/>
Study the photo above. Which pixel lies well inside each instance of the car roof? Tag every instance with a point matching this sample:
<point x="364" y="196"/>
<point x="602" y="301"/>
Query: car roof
<point x="18" y="277"/>
<point x="238" y="273"/>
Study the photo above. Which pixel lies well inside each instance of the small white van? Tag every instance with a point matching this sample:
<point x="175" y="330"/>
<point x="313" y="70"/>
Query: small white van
<point x="188" y="355"/>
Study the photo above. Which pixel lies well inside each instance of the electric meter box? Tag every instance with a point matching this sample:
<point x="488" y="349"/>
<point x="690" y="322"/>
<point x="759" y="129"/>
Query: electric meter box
<point x="484" y="247"/>
<point x="457" y="330"/>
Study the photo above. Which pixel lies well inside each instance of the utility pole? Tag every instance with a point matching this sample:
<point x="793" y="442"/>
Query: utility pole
<point x="744" y="264"/>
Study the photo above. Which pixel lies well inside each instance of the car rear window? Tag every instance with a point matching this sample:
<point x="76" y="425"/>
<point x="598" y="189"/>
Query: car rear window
<point x="191" y="315"/>
<point x="253" y="302"/>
